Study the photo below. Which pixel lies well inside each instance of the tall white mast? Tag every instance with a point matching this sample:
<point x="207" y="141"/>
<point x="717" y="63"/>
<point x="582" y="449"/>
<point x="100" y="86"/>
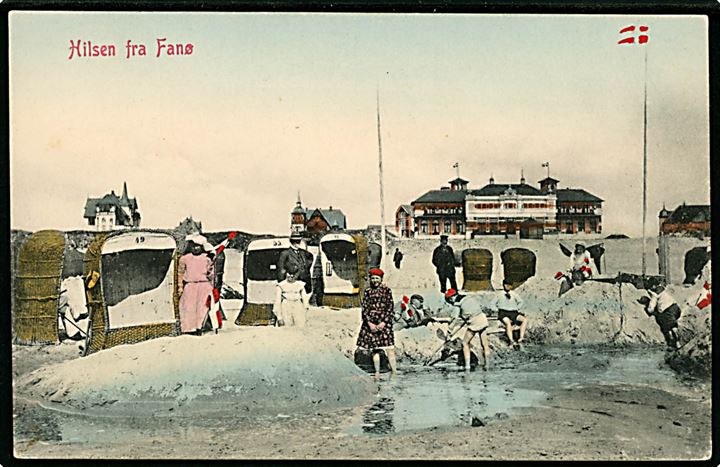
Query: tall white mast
<point x="382" y="195"/>
<point x="644" y="214"/>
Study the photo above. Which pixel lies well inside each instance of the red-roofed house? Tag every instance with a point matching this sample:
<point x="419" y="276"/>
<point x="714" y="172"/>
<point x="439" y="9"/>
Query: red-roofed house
<point x="578" y="211"/>
<point x="404" y="221"/>
<point x="316" y="220"/>
<point x="686" y="219"/>
<point x="441" y="211"/>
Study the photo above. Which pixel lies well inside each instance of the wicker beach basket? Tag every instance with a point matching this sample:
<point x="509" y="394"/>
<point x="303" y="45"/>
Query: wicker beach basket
<point x="100" y="335"/>
<point x="37" y="287"/>
<point x="477" y="266"/>
<point x="335" y="300"/>
<point x="518" y="265"/>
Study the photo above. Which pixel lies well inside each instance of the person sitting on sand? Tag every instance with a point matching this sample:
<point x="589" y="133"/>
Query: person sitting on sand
<point x="376" y="331"/>
<point x="471" y="311"/>
<point x="508" y="305"/>
<point x="581" y="269"/>
<point x="291" y="300"/>
<point x="663" y="307"/>
<point x="409" y="312"/>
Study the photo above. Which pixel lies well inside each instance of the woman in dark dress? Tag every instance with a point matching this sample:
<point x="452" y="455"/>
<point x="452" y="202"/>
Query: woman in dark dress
<point x="376" y="331"/>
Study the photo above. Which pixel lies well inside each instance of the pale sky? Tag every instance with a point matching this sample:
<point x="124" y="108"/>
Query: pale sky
<point x="272" y="104"/>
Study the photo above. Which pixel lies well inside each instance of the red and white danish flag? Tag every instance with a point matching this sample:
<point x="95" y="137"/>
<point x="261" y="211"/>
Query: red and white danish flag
<point x="705" y="298"/>
<point x="222" y="245"/>
<point x="629" y="33"/>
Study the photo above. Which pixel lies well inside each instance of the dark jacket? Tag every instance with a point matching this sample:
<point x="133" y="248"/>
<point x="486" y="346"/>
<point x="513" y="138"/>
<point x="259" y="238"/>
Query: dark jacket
<point x="300" y="258"/>
<point x="444" y="259"/>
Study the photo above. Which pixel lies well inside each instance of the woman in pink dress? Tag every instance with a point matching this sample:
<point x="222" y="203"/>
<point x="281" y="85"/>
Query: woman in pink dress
<point x="195" y="281"/>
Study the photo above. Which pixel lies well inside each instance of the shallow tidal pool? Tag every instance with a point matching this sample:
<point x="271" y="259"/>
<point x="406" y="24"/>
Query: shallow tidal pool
<point x="423" y="397"/>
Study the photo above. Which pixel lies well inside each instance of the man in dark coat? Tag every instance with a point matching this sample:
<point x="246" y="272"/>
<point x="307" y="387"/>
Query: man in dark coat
<point x="444" y="261"/>
<point x="301" y="259"/>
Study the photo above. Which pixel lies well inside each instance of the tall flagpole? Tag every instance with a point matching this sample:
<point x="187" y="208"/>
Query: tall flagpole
<point x="382" y="196"/>
<point x="644" y="214"/>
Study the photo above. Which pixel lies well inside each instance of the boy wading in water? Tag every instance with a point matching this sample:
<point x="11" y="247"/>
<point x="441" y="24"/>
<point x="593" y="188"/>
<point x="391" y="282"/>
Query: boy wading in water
<point x="470" y="310"/>
<point x="376" y="331"/>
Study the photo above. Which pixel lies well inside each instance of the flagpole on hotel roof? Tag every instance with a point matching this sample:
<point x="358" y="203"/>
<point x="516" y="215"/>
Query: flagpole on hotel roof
<point x="382" y="197"/>
<point x="644" y="214"/>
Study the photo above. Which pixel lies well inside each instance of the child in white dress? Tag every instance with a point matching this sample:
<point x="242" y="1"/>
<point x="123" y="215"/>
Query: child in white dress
<point x="291" y="300"/>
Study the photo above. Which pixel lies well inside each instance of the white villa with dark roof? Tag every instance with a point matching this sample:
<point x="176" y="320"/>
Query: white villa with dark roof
<point x="112" y="212"/>
<point x="501" y="208"/>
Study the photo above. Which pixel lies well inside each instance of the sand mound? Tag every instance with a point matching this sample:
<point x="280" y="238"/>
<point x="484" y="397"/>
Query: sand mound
<point x="594" y="313"/>
<point x="238" y="371"/>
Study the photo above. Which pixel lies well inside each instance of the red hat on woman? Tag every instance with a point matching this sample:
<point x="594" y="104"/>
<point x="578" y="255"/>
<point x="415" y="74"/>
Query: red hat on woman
<point x="376" y="272"/>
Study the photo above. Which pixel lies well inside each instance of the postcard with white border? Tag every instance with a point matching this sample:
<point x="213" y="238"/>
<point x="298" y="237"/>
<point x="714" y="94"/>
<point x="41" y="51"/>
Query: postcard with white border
<point x="241" y="235"/>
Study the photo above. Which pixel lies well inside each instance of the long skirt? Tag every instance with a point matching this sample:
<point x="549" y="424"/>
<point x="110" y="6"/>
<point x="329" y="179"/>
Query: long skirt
<point x="193" y="305"/>
<point x="376" y="340"/>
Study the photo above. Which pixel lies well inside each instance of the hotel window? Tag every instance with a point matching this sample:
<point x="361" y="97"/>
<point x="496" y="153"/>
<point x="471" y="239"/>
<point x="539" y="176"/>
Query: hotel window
<point x="436" y="228"/>
<point x="460" y="227"/>
<point x="446" y="226"/>
<point x="581" y="226"/>
<point x="423" y="227"/>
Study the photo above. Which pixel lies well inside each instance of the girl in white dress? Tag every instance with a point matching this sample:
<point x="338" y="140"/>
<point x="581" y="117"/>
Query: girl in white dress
<point x="291" y="300"/>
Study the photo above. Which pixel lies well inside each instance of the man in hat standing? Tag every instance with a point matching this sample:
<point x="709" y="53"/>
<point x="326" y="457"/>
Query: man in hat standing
<point x="443" y="259"/>
<point x="299" y="258"/>
<point x="376" y="331"/>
